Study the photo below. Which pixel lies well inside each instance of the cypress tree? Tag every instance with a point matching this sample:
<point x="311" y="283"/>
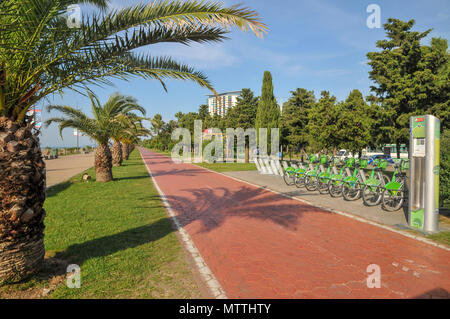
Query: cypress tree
<point x="268" y="113"/>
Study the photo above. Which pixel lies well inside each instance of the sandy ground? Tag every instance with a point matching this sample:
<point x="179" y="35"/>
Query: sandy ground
<point x="64" y="167"/>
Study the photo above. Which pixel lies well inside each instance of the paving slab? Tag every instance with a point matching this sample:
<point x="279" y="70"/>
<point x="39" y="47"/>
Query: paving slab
<point x="64" y="167"/>
<point x="398" y="219"/>
<point x="260" y="244"/>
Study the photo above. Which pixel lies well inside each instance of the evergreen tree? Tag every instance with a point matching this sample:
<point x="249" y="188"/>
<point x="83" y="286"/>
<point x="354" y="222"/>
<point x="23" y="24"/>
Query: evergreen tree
<point x="243" y="115"/>
<point x="322" y="125"/>
<point x="203" y="112"/>
<point x="268" y="113"/>
<point x="294" y="119"/>
<point x="354" y="123"/>
<point x="410" y="78"/>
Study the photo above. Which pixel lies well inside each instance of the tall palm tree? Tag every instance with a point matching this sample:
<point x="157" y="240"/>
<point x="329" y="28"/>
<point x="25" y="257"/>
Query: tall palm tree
<point x="121" y="125"/>
<point x="41" y="54"/>
<point x="106" y="121"/>
<point x="127" y="127"/>
<point x="131" y="138"/>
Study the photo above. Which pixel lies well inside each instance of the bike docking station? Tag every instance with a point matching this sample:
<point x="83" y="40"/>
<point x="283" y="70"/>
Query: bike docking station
<point x="423" y="206"/>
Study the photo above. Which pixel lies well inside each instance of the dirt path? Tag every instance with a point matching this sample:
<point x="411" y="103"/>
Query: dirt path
<point x="64" y="167"/>
<point x="260" y="244"/>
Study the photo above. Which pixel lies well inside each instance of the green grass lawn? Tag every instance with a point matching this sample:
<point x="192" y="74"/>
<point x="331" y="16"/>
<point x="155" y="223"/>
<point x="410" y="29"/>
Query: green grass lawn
<point x="119" y="234"/>
<point x="442" y="237"/>
<point x="228" y="167"/>
<point x="219" y="167"/>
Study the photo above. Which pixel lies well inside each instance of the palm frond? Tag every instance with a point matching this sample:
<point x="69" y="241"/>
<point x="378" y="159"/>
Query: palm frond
<point x="43" y="55"/>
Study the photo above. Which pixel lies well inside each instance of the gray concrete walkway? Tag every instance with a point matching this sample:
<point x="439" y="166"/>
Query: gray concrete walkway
<point x="64" y="167"/>
<point x="376" y="213"/>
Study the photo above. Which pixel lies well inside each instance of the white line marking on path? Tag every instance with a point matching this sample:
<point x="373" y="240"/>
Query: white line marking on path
<point x="210" y="280"/>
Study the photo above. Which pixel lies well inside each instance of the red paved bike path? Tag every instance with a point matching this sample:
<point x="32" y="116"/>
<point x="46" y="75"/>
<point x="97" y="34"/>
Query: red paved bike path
<point x="263" y="245"/>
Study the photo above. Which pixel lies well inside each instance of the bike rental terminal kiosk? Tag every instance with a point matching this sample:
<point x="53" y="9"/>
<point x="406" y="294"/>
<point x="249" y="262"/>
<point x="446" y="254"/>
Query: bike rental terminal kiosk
<point x="423" y="201"/>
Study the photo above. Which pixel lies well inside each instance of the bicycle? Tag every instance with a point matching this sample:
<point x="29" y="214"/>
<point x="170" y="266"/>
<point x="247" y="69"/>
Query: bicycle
<point x="311" y="178"/>
<point x="394" y="191"/>
<point x="325" y="176"/>
<point x="351" y="185"/>
<point x="374" y="185"/>
<point x="289" y="176"/>
<point x="301" y="171"/>
<point x="335" y="182"/>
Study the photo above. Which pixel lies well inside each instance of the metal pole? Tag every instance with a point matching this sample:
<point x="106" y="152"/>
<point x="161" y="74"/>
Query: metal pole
<point x="431" y="213"/>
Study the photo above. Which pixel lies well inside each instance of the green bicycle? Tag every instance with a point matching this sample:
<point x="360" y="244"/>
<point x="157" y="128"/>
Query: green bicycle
<point x="351" y="185"/>
<point x="374" y="185"/>
<point x="336" y="180"/>
<point x="301" y="171"/>
<point x="311" y="178"/>
<point x="394" y="191"/>
<point x="289" y="176"/>
<point x="325" y="176"/>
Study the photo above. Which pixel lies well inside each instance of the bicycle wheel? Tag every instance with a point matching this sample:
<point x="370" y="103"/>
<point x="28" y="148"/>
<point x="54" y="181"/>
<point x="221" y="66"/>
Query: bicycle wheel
<point x="300" y="180"/>
<point x="392" y="200"/>
<point x="311" y="183"/>
<point x="386" y="179"/>
<point x="335" y="188"/>
<point x="371" y="194"/>
<point x="322" y="185"/>
<point x="289" y="178"/>
<point x="351" y="190"/>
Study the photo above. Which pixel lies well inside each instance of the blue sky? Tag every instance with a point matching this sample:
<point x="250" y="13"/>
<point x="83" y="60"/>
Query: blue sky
<point x="314" y="44"/>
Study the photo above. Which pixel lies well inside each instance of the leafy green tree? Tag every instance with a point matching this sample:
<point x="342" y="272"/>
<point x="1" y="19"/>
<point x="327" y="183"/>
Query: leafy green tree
<point x="203" y="112"/>
<point x="322" y="125"/>
<point x="186" y="120"/>
<point x="354" y="123"/>
<point x="162" y="134"/>
<point x="295" y="118"/>
<point x="157" y="124"/>
<point x="216" y="121"/>
<point x="410" y="78"/>
<point x="437" y="57"/>
<point x="243" y="114"/>
<point x="268" y="112"/>
<point x="41" y="54"/>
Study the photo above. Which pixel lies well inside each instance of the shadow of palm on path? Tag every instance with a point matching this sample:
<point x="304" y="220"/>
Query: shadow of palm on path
<point x="213" y="206"/>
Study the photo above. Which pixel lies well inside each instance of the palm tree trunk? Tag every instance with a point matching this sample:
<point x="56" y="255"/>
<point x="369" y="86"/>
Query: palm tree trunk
<point x="125" y="148"/>
<point x="116" y="154"/>
<point x="22" y="195"/>
<point x="103" y="163"/>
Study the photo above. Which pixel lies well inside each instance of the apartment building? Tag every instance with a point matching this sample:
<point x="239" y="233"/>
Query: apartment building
<point x="226" y="100"/>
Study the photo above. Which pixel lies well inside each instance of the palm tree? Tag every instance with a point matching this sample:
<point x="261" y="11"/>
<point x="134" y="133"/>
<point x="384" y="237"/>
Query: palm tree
<point x="41" y="54"/>
<point x="122" y="124"/>
<point x="132" y="138"/>
<point x="127" y="128"/>
<point x="108" y="120"/>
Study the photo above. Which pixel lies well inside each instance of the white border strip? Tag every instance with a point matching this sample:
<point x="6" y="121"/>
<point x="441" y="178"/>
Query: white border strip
<point x="210" y="280"/>
<point x="416" y="237"/>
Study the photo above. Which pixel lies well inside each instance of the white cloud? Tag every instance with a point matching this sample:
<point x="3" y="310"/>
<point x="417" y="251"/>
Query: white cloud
<point x="204" y="56"/>
<point x="120" y="4"/>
